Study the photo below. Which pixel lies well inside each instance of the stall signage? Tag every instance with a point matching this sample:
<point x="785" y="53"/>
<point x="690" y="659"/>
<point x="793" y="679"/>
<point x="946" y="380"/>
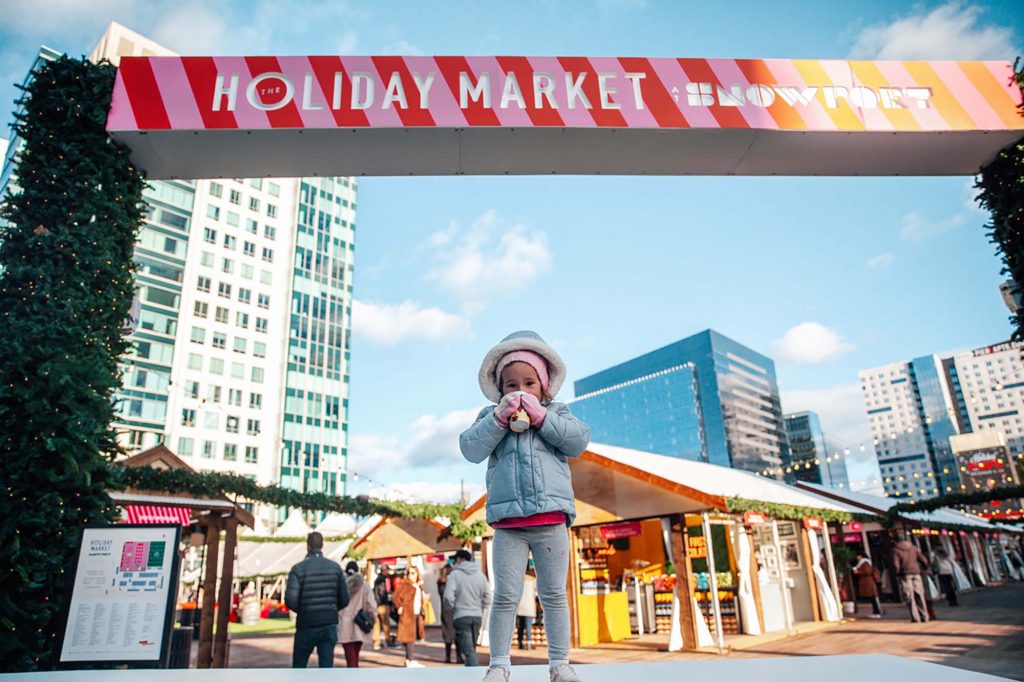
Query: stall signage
<point x="813" y="523"/>
<point x="851" y="538"/>
<point x="621" y="530"/>
<point x="856" y="526"/>
<point x="754" y="518"/>
<point x="388" y="562"/>
<point x="698" y="549"/>
<point x="435" y="558"/>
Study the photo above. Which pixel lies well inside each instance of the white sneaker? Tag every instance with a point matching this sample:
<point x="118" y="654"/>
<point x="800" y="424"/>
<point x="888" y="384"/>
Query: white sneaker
<point x="414" y="664"/>
<point x="497" y="673"/>
<point x="563" y="673"/>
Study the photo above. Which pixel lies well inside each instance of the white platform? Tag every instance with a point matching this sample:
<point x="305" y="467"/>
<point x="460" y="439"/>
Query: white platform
<point x="873" y="668"/>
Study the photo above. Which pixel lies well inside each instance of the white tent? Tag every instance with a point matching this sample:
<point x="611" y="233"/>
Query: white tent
<point x="294" y="527"/>
<point x="335" y="524"/>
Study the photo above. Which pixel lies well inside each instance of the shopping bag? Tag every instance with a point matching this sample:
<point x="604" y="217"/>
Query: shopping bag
<point x="429" y="618"/>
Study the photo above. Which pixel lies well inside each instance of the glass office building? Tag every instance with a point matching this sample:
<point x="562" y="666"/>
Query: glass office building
<point x="705" y="398"/>
<point x="811" y="458"/>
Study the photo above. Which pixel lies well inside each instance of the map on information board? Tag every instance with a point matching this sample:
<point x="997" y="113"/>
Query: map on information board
<point x="123" y="595"/>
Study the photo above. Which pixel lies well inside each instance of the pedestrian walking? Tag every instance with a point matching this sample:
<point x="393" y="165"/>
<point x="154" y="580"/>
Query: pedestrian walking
<point x="527" y="439"/>
<point x="468" y="594"/>
<point x="316" y="591"/>
<point x="351" y="624"/>
<point x="526" y="612"/>
<point x="867" y="583"/>
<point x="408" y="602"/>
<point x="943" y="566"/>
<point x="911" y="565"/>
<point x="447" y="615"/>
<point x="383" y="586"/>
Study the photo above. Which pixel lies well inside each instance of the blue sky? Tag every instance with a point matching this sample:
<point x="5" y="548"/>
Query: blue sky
<point x="826" y="275"/>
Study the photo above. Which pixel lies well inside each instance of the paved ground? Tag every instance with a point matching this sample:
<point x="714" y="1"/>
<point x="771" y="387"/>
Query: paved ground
<point x="984" y="634"/>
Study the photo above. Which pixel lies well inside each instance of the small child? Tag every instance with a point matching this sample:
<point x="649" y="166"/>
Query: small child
<point x="529" y="490"/>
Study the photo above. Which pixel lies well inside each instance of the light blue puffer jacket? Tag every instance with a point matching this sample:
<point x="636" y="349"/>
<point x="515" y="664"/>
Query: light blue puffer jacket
<point x="528" y="472"/>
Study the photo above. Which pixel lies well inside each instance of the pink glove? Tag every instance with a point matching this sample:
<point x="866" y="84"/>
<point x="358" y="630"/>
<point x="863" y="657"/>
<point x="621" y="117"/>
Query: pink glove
<point x="533" y="408"/>
<point x="506" y="408"/>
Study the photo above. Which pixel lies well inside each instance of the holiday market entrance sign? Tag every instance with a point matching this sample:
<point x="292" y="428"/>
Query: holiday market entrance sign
<point x="195" y="117"/>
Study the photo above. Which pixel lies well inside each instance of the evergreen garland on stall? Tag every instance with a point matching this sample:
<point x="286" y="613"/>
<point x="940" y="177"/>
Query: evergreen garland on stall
<point x="210" y="484"/>
<point x="1001" y="192"/>
<point x="960" y="499"/>
<point x="65" y="295"/>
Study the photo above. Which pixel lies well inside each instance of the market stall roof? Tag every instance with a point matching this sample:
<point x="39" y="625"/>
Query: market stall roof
<point x="613" y="484"/>
<point x="881" y="505"/>
<point x="335" y="524"/>
<point x="398" y="537"/>
<point x="161" y="457"/>
<point x="294" y="526"/>
<point x="277" y="558"/>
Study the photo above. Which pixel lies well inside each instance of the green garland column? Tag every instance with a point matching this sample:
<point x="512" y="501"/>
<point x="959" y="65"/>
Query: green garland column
<point x="1001" y="185"/>
<point x="65" y="296"/>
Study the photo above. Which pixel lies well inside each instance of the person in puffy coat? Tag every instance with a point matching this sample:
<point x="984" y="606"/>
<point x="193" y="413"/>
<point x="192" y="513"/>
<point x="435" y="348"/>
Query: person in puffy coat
<point x="316" y="591"/>
<point x="350" y="635"/>
<point x="867" y="583"/>
<point x="527" y="440"/>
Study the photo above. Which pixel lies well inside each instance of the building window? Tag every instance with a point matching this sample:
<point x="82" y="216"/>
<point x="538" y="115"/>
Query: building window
<point x="255" y="400"/>
<point x="259" y="349"/>
<point x="230" y="242"/>
<point x="213" y="393"/>
<point x="216" y="190"/>
<point x="208" y="447"/>
<point x="257" y="375"/>
<point x="268" y="255"/>
<point x="235" y="197"/>
<point x="271" y="211"/>
<point x="188" y="417"/>
<point x="232" y="425"/>
<point x="273" y="189"/>
<point x="195" y="361"/>
<point x="251" y="226"/>
<point x="270" y="232"/>
<point x="247" y="271"/>
<point x="232" y="219"/>
<point x="230" y="452"/>
<point x="210" y="420"/>
<point x="249" y="249"/>
<point x="213" y="212"/>
<point x="221" y="314"/>
<point x="234" y="397"/>
<point x="251" y="454"/>
<point x="220" y="340"/>
<point x="185" y="447"/>
<point x="266" y="277"/>
<point x="201" y="309"/>
<point x="206" y="259"/>
<point x="228" y="266"/>
<point x="239" y="344"/>
<point x="263" y="300"/>
<point x="198" y="335"/>
<point x="192" y="389"/>
<point x="209" y="235"/>
<point x="261" y="325"/>
<point x="254" y="204"/>
<point x="203" y="284"/>
<point x="244" y="295"/>
<point x="242" y="320"/>
<point x="224" y="290"/>
<point x="216" y="366"/>
<point x="237" y="370"/>
<point x="252" y="427"/>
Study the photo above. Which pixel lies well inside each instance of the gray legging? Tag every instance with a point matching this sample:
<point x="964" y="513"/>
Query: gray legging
<point x="512" y="548"/>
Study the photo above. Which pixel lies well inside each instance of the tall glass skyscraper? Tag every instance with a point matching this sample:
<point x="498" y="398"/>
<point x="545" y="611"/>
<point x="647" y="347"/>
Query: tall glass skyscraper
<point x="811" y="458"/>
<point x="705" y="398"/>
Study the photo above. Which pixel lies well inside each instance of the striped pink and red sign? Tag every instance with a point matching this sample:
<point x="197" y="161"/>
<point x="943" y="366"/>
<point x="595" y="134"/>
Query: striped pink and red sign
<point x="326" y="92"/>
<point x="151" y="514"/>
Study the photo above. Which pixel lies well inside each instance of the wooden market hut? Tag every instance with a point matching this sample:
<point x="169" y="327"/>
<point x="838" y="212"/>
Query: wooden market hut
<point x="214" y="514"/>
<point x="394" y="536"/>
<point x="614" y="485"/>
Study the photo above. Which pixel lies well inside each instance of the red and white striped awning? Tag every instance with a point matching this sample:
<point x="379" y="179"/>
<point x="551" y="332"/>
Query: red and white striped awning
<point x="137" y="513"/>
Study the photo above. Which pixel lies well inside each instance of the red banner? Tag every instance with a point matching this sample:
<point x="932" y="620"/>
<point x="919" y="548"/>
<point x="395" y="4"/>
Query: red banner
<point x="754" y="518"/>
<point x="154" y="515"/>
<point x="813" y="523"/>
<point x="621" y="530"/>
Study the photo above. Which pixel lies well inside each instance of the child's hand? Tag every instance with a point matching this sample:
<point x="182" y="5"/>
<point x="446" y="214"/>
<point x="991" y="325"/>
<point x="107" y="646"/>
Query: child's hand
<point x="534" y="409"/>
<point x="506" y="408"/>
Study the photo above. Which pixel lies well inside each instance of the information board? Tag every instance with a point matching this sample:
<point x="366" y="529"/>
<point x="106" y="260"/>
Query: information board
<point x="121" y="606"/>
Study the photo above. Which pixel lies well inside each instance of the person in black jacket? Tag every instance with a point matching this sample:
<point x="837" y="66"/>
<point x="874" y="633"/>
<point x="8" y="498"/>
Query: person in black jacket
<point x="316" y="591"/>
<point x="383" y="586"/>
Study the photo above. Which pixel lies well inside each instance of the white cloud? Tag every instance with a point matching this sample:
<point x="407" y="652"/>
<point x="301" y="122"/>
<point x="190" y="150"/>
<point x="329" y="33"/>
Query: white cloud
<point x="810" y="342"/>
<point x="917" y="228"/>
<point x="951" y="31"/>
<point x="388" y="325"/>
<point x="488" y="260"/>
<point x="881" y="260"/>
<point x="427" y="491"/>
<point x="431" y="442"/>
